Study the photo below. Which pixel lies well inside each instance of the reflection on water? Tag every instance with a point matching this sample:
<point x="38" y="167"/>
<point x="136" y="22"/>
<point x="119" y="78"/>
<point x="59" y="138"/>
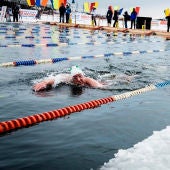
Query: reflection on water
<point x="76" y="91"/>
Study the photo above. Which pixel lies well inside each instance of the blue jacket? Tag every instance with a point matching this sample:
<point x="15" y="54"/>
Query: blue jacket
<point x="133" y="15"/>
<point x="68" y="10"/>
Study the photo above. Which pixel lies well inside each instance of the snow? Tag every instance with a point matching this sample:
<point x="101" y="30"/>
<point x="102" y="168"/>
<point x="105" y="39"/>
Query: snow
<point x="152" y="153"/>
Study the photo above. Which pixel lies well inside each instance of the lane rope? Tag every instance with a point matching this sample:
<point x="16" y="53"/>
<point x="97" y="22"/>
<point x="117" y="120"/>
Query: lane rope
<point x="67" y="44"/>
<point x="55" y="60"/>
<point x="27" y="121"/>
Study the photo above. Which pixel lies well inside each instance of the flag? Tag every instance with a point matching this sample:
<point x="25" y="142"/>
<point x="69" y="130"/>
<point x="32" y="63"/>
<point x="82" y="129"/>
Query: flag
<point x="131" y="9"/>
<point x="137" y="9"/>
<point x="116" y="7"/>
<point x="37" y="3"/>
<point x="86" y="7"/>
<point x="44" y="2"/>
<point x="167" y="12"/>
<point x="96" y="5"/>
<point x="93" y="5"/>
<point x="120" y="11"/>
<point x="31" y="2"/>
<point x="57" y="3"/>
<point x="52" y="4"/>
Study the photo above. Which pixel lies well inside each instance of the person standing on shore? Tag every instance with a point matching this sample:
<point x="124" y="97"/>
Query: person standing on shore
<point x="168" y="22"/>
<point x="93" y="16"/>
<point x="167" y="16"/>
<point x="38" y="15"/>
<point x="68" y="12"/>
<point x="126" y="18"/>
<point x="133" y="18"/>
<point x="15" y="12"/>
<point x="62" y="11"/>
<point x="109" y="15"/>
<point x="115" y="18"/>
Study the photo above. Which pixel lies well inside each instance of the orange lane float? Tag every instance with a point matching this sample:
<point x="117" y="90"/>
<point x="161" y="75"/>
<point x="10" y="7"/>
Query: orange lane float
<point x="14" y="124"/>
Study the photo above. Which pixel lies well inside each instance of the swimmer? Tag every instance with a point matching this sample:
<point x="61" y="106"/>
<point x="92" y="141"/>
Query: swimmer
<point x="76" y="77"/>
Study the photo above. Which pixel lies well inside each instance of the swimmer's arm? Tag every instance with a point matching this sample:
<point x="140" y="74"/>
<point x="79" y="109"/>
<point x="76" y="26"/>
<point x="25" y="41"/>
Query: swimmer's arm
<point x="43" y="85"/>
<point x="93" y="83"/>
<point x="52" y="82"/>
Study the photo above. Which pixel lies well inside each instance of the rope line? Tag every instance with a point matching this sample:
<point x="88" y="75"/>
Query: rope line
<point x="22" y="37"/>
<point x="67" y="44"/>
<point x="55" y="60"/>
<point x="18" y="123"/>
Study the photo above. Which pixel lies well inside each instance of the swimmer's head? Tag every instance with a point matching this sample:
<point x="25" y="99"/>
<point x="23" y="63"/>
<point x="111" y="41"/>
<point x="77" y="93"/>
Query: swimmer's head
<point x="76" y="70"/>
<point x="78" y="79"/>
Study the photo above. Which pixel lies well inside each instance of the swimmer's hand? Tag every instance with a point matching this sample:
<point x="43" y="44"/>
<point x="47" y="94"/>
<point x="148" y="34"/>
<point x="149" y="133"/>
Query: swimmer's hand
<point x="42" y="85"/>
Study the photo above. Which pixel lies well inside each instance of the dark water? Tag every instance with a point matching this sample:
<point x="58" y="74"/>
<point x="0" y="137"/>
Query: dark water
<point x="87" y="139"/>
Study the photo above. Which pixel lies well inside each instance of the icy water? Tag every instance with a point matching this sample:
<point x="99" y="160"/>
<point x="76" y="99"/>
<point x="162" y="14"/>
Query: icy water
<point x="87" y="139"/>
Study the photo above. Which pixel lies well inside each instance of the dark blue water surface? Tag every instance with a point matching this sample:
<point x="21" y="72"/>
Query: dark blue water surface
<point x="87" y="139"/>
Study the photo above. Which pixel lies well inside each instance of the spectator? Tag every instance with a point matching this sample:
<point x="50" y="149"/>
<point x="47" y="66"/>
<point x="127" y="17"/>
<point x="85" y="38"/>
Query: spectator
<point x="68" y="12"/>
<point x="62" y="11"/>
<point x="126" y="18"/>
<point x="133" y="18"/>
<point x="7" y="15"/>
<point x="115" y="18"/>
<point x="20" y="13"/>
<point x="93" y="16"/>
<point x="109" y="15"/>
<point x="38" y="15"/>
<point x="15" y="12"/>
<point x="168" y="22"/>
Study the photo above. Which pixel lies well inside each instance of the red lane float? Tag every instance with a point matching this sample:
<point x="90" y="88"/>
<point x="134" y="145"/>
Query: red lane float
<point x="37" y="118"/>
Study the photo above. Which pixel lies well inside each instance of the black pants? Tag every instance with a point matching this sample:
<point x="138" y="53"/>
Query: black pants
<point x="109" y="20"/>
<point x="93" y="19"/>
<point x="115" y="22"/>
<point x="168" y="24"/>
<point x="67" y="18"/>
<point x="15" y="17"/>
<point x="133" y="23"/>
<point x="62" y="18"/>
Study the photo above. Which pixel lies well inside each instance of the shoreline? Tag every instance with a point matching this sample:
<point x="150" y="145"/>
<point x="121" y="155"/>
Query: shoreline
<point x="145" y="32"/>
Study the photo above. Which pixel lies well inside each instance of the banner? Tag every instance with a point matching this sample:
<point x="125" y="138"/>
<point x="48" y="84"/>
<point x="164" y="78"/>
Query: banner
<point x="3" y="12"/>
<point x="80" y="18"/>
<point x="28" y="13"/>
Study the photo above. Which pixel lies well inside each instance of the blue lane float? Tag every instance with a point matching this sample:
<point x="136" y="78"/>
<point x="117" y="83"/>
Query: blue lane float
<point x="3" y="46"/>
<point x="8" y="37"/>
<point x="52" y="45"/>
<point x="29" y="37"/>
<point x="59" y="59"/>
<point x="55" y="60"/>
<point x="159" y="85"/>
<point x="27" y="45"/>
<point x="25" y="63"/>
